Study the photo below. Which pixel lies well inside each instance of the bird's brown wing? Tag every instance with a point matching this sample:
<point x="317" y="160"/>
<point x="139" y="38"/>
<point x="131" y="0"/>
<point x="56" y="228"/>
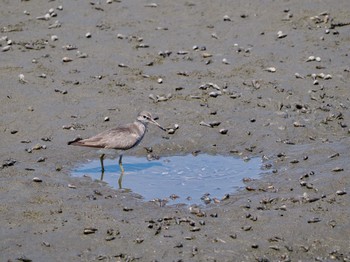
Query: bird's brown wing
<point x="122" y="138"/>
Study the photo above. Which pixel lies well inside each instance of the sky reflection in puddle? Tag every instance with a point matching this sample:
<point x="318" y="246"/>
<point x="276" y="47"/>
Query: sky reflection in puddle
<point x="188" y="177"/>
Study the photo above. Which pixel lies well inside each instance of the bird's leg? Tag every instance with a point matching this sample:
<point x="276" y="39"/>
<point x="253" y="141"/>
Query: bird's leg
<point x="102" y="166"/>
<point x="122" y="172"/>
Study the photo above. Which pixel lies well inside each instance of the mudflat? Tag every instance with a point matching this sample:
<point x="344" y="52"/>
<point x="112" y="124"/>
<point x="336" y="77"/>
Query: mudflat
<point x="252" y="78"/>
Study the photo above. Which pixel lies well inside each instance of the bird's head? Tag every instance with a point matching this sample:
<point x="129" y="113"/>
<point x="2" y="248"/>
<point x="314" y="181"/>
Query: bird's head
<point x="146" y="117"/>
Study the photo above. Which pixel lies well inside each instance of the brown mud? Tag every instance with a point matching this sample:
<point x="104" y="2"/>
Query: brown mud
<point x="187" y="62"/>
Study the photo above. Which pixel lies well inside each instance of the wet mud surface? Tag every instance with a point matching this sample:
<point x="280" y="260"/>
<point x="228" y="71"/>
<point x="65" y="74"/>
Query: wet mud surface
<point x="232" y="82"/>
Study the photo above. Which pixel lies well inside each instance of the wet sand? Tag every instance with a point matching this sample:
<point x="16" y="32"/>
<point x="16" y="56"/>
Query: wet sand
<point x="206" y="67"/>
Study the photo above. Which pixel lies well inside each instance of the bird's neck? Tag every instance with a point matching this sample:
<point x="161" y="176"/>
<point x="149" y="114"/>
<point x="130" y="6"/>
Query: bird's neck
<point x="141" y="126"/>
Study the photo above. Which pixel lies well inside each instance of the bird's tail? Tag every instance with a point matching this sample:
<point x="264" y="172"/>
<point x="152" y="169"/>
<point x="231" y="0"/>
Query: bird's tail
<point x="74" y="141"/>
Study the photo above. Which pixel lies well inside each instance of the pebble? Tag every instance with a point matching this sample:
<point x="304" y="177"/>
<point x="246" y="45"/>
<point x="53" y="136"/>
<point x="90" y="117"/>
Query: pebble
<point x="88" y="35"/>
<point x="337" y="169"/>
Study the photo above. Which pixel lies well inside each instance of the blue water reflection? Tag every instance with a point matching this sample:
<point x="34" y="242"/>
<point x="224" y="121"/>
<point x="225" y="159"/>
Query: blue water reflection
<point x="189" y="177"/>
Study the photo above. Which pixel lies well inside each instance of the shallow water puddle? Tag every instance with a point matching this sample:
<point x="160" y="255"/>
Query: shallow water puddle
<point x="191" y="178"/>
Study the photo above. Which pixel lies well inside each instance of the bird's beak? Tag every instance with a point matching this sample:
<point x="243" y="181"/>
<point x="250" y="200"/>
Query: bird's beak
<point x="154" y="122"/>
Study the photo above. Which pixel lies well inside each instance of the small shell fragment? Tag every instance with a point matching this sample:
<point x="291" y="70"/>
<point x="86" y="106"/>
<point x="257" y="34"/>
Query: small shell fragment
<point x="21" y="79"/>
<point x="297" y="75"/>
<point x="66" y="59"/>
<point x="327" y="77"/>
<point x="54" y="38"/>
<point x="88" y="35"/>
<point x="37" y="179"/>
<point x="121" y="36"/>
<point x="215" y="93"/>
<point x="310" y="58"/>
<point x="270" y="69"/>
<point x="338" y="169"/>
<point x="206" y="55"/>
<point x="280" y="34"/>
<point x="6" y="48"/>
<point x="223" y="131"/>
<point x="225" y="61"/>
<point x="44" y="17"/>
<point x="151" y="5"/>
<point x="89" y="230"/>
<point x="226" y="18"/>
<point x="72" y="186"/>
<point x="298" y="124"/>
<point x="340" y="192"/>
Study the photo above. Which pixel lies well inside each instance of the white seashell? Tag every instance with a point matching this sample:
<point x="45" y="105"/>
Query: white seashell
<point x="160" y="80"/>
<point x="225" y="61"/>
<point x="37" y="179"/>
<point x="215" y="93"/>
<point x="151" y="5"/>
<point x="297" y="75"/>
<point x="214" y="35"/>
<point x="310" y="58"/>
<point x="318" y="59"/>
<point x="327" y="77"/>
<point x="321" y="75"/>
<point x="44" y="17"/>
<point x="66" y="59"/>
<point x="226" y="18"/>
<point x="56" y="24"/>
<point x="81" y="55"/>
<point x="271" y="69"/>
<point x="21" y="78"/>
<point x="280" y="34"/>
<point x="54" y="38"/>
<point x="88" y="35"/>
<point x="6" y="48"/>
